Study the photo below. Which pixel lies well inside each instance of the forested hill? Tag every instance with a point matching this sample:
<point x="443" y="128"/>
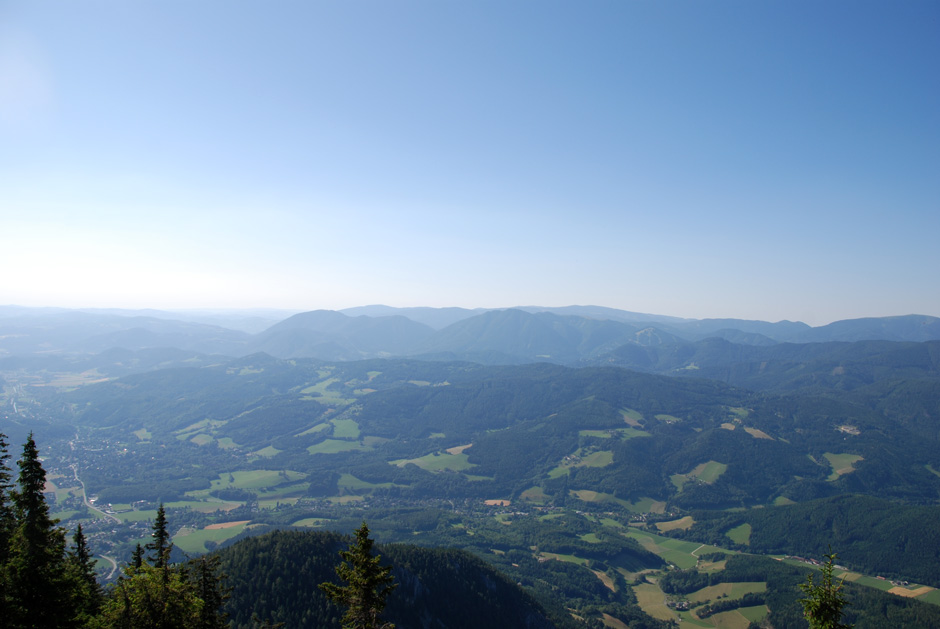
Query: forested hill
<point x="275" y="577"/>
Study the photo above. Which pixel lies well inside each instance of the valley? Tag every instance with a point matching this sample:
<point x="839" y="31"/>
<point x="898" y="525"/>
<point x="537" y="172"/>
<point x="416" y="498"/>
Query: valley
<point x="597" y="482"/>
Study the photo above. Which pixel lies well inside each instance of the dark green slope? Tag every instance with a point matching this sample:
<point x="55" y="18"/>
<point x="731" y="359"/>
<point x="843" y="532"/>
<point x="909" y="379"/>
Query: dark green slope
<point x="872" y="535"/>
<point x="517" y="426"/>
<point x="275" y="576"/>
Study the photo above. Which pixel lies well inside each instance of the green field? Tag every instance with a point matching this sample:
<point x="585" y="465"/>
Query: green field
<point x="622" y="433"/>
<point x="256" y="479"/>
<point x="226" y="443"/>
<point x="202" y="439"/>
<point x="705" y="472"/>
<point x="652" y="600"/>
<point x="669" y="419"/>
<point x="534" y="494"/>
<point x="143" y="434"/>
<point x="314" y="429"/>
<point x="438" y="461"/>
<point x="332" y="446"/>
<point x="632" y="417"/>
<point x="601" y="458"/>
<point x="932" y="597"/>
<point x="311" y="522"/>
<point x="267" y="452"/>
<point x="194" y="541"/>
<point x="671" y="550"/>
<point x="324" y="395"/>
<point x="841" y="464"/>
<point x="345" y="428"/>
<point x="728" y="590"/>
<point x="740" y="534"/>
<point x="351" y="484"/>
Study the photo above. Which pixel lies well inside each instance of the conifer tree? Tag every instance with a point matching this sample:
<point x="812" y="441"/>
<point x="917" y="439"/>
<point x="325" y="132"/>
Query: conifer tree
<point x="37" y="579"/>
<point x="823" y="604"/>
<point x="208" y="585"/>
<point x="161" y="544"/>
<point x="86" y="598"/>
<point x="368" y="584"/>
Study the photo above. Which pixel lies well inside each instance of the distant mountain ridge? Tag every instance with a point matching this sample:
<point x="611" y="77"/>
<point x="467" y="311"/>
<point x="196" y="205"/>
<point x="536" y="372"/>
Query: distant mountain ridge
<point x="568" y="335"/>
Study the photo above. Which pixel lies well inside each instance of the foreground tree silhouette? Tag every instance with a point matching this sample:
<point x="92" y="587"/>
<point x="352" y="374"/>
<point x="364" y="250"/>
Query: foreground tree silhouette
<point x="368" y="584"/>
<point x="823" y="604"/>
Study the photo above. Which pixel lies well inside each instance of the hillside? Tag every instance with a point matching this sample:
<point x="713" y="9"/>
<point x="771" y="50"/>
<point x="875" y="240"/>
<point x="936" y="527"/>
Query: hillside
<point x="437" y="588"/>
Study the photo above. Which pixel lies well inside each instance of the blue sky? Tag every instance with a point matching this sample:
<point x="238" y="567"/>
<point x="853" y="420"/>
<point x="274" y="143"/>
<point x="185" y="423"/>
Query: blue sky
<point x="771" y="160"/>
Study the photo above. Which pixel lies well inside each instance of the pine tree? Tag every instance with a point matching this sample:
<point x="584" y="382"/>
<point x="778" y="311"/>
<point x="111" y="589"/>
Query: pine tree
<point x="823" y="604"/>
<point x="137" y="558"/>
<point x="86" y="598"/>
<point x="161" y="544"/>
<point x="368" y="584"/>
<point x="37" y="577"/>
<point x="208" y="585"/>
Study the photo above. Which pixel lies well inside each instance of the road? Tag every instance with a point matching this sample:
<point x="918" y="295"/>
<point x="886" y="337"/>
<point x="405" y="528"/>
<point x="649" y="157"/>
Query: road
<point x="85" y="497"/>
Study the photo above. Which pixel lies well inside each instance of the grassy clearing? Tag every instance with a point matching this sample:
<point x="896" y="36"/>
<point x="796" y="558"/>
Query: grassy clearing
<point x="311" y="522"/>
<point x="740" y="534"/>
<point x="729" y="590"/>
<point x="566" y="558"/>
<point x="351" y="484"/>
<point x="332" y="446"/>
<point x="267" y="452"/>
<point x="534" y="494"/>
<point x="314" y="429"/>
<point x="669" y="419"/>
<point x="705" y="472"/>
<point x="632" y="417"/>
<point x="652" y="600"/>
<point x="932" y="597"/>
<point x="782" y="500"/>
<point x="256" y="479"/>
<point x="137" y="516"/>
<point x="674" y="551"/>
<point x="588" y="495"/>
<point x="194" y="541"/>
<point x="226" y="443"/>
<point x="710" y="471"/>
<point x="345" y="428"/>
<point x="728" y="426"/>
<point x="729" y="620"/>
<point x="682" y="524"/>
<point x="580" y="458"/>
<point x="841" y="464"/>
<point x="670" y="550"/>
<point x="739" y="412"/>
<point x="437" y="462"/>
<point x="758" y="434"/>
<point x="755" y="613"/>
<point x="458" y="449"/>
<point x="282" y="491"/>
<point x="321" y="393"/>
<point x="143" y="434"/>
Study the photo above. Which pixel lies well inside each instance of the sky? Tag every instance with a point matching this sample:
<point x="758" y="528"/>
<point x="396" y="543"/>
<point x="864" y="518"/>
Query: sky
<point x="761" y="160"/>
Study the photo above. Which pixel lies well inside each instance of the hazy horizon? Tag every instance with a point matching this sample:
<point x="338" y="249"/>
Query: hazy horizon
<point x="771" y="161"/>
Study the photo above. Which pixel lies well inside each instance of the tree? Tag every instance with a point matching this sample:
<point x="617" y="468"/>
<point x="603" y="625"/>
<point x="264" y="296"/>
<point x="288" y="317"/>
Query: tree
<point x="150" y="598"/>
<point x="86" y="595"/>
<point x="38" y="580"/>
<point x="823" y="604"/>
<point x="161" y="544"/>
<point x="368" y="584"/>
<point x="207" y="582"/>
